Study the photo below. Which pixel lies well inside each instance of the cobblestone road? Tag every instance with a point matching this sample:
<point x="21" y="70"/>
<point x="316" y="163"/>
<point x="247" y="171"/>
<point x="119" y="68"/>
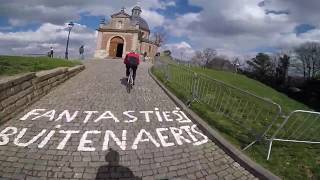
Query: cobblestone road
<point x="51" y="142"/>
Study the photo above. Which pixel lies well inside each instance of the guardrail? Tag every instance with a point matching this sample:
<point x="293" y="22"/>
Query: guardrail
<point x="258" y="118"/>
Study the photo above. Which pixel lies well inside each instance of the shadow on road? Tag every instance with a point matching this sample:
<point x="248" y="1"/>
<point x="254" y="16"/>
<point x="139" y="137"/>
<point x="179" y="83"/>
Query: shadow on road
<point x="124" y="81"/>
<point x="113" y="170"/>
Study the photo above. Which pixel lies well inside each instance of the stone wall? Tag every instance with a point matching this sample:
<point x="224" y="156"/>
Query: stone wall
<point x="17" y="92"/>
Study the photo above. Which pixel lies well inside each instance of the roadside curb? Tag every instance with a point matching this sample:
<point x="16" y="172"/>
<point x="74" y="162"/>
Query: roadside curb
<point x="253" y="167"/>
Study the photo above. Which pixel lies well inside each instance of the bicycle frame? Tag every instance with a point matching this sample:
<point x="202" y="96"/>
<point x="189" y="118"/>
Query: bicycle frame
<point x="130" y="78"/>
<point x="130" y="81"/>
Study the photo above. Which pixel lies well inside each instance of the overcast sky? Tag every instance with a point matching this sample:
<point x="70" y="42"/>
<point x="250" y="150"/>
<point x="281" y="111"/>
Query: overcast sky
<point x="233" y="27"/>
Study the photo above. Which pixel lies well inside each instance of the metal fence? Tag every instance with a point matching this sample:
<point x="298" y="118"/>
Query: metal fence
<point x="299" y="127"/>
<point x="254" y="117"/>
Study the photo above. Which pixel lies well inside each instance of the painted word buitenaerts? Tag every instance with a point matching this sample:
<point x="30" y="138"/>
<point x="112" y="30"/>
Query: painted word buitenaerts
<point x="183" y="134"/>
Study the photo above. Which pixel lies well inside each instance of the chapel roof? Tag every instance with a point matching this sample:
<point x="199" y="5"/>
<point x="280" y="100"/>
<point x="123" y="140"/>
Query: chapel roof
<point x="142" y="22"/>
<point x="134" y="19"/>
<point x="121" y="14"/>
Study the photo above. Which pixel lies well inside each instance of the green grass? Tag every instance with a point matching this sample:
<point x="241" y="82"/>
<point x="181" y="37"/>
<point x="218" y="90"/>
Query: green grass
<point x="11" y="65"/>
<point x="253" y="86"/>
<point x="167" y="59"/>
<point x="288" y="160"/>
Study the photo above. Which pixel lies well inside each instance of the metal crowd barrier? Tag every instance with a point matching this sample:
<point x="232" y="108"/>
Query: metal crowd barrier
<point x="299" y="127"/>
<point x="254" y="115"/>
<point x="260" y="118"/>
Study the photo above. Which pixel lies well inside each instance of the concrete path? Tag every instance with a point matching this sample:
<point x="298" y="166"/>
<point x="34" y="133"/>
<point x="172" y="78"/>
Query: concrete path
<point x="91" y="128"/>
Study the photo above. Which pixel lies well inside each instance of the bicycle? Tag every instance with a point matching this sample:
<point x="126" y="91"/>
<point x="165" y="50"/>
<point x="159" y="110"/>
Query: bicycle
<point x="130" y="81"/>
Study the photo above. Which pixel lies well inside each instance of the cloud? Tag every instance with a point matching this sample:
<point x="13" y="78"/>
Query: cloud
<point x="245" y="26"/>
<point x="180" y="25"/>
<point x="300" y="11"/>
<point x="171" y="3"/>
<point x="156" y="4"/>
<point x="26" y="12"/>
<point x="183" y="49"/>
<point x="153" y="18"/>
<point x="46" y="36"/>
<point x="21" y="13"/>
<point x="232" y="27"/>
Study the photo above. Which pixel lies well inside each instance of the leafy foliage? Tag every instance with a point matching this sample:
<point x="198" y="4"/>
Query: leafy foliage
<point x="261" y="65"/>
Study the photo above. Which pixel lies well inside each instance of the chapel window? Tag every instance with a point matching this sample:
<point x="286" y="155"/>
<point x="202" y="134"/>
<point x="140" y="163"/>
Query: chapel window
<point x="119" y="25"/>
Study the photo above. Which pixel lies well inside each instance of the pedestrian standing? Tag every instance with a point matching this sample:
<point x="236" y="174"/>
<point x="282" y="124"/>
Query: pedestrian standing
<point x="144" y="56"/>
<point x="51" y="52"/>
<point x="81" y="52"/>
<point x="156" y="58"/>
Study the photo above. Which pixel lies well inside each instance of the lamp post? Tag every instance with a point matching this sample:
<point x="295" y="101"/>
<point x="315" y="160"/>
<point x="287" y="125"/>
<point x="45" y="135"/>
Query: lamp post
<point x="70" y="25"/>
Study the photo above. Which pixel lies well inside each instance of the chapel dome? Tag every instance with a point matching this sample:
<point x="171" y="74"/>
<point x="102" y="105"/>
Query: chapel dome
<point x="137" y="19"/>
<point x="142" y="23"/>
<point x="136" y="8"/>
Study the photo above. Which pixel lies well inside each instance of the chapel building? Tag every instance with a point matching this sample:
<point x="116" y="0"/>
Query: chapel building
<point x="125" y="33"/>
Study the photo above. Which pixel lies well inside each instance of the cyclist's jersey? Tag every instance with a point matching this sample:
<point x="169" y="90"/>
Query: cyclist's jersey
<point x="132" y="59"/>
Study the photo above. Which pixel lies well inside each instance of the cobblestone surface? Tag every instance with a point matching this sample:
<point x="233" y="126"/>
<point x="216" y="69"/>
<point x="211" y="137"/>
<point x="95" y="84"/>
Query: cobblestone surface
<point x="101" y="88"/>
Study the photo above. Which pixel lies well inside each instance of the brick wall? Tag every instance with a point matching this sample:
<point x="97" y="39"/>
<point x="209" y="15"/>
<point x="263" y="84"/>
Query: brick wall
<point x="18" y="92"/>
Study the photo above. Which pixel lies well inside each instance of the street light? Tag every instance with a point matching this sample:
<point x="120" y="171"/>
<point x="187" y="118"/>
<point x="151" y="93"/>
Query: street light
<point x="70" y="25"/>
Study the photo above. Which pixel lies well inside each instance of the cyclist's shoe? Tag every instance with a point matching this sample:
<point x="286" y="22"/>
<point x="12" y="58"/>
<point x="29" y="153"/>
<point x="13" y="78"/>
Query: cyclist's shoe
<point x="133" y="82"/>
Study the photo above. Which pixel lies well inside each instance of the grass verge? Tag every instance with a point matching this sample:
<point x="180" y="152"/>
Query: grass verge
<point x="11" y="65"/>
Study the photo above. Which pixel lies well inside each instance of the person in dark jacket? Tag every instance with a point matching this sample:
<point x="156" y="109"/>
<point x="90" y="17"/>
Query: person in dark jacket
<point x="81" y="52"/>
<point x="51" y="52"/>
<point x="132" y="60"/>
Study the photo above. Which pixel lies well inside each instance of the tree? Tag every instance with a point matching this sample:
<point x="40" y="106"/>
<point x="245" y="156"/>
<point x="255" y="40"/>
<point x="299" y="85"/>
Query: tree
<point x="261" y="65"/>
<point x="197" y="59"/>
<point x="208" y="55"/>
<point x="309" y="55"/>
<point x="161" y="37"/>
<point x="221" y="63"/>
<point x="282" y="68"/>
<point x="204" y="57"/>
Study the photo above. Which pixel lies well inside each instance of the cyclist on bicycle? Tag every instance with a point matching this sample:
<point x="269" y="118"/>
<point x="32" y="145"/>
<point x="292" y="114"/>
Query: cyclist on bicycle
<point x="132" y="60"/>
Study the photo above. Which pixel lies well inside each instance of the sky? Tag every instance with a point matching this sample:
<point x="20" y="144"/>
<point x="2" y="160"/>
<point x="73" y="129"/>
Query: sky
<point x="232" y="27"/>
